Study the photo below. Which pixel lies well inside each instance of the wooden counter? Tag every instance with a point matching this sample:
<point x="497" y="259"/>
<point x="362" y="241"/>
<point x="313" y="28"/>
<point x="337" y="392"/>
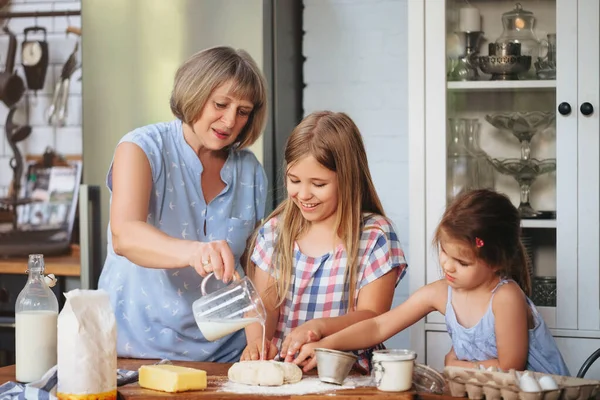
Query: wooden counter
<point x="217" y="374"/>
<point x="67" y="265"/>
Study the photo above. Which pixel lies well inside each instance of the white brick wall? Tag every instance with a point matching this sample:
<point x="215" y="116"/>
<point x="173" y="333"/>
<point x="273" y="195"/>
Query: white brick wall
<point x="66" y="140"/>
<point x="356" y="62"/>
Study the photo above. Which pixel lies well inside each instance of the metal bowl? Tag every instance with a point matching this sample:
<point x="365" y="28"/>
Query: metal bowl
<point x="504" y="49"/>
<point x="504" y="67"/>
<point x="334" y="366"/>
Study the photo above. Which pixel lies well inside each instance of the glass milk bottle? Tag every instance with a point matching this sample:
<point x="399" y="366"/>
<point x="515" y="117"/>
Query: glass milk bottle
<point x="36" y="314"/>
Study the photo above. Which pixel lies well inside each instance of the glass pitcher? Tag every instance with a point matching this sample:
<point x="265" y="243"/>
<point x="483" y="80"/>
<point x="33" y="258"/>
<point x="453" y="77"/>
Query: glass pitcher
<point x="518" y="25"/>
<point x="228" y="309"/>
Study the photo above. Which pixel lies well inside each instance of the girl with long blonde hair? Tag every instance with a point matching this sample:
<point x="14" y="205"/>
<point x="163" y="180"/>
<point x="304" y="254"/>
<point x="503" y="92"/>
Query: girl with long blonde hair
<point x="327" y="257"/>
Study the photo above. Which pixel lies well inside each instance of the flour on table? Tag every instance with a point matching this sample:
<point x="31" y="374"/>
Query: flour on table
<point x="305" y="386"/>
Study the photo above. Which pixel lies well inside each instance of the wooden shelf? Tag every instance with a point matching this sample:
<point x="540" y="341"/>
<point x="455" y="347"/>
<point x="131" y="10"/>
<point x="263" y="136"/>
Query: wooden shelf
<point x="67" y="265"/>
<point x="501" y="85"/>
<point x="538" y="223"/>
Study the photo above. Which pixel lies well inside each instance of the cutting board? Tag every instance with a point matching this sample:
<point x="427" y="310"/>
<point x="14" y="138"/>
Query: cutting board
<point x="217" y="376"/>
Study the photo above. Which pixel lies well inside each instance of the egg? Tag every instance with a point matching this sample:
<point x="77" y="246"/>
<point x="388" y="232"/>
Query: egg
<point x="548" y="383"/>
<point x="529" y="384"/>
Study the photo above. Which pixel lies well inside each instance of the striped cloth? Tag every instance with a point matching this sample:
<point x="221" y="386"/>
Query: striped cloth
<point x="45" y="388"/>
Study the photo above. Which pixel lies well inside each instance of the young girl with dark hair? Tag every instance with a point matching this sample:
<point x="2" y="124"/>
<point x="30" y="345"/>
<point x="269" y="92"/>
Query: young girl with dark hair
<point x="483" y="295"/>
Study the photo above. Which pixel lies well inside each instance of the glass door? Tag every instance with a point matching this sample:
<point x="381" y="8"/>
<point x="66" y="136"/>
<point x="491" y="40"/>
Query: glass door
<point x="493" y="78"/>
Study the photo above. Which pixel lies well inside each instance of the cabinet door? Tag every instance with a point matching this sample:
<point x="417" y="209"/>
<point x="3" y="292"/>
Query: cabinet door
<point x="575" y="351"/>
<point x="589" y="167"/>
<point x="437" y="346"/>
<point x="491" y="122"/>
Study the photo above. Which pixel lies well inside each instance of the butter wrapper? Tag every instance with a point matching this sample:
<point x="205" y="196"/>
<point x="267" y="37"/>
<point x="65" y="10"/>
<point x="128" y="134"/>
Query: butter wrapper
<point x="87" y="346"/>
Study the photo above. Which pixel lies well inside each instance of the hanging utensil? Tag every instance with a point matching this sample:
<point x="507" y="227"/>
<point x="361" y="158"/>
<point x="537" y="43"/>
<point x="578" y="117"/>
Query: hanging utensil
<point x="34" y="55"/>
<point x="57" y="112"/>
<point x="14" y="134"/>
<point x="11" y="84"/>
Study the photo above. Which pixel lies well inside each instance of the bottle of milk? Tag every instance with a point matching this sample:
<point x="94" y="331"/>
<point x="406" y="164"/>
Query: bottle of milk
<point x="36" y="314"/>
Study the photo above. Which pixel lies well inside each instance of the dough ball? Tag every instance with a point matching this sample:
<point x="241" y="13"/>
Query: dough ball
<point x="264" y="373"/>
<point x="291" y="372"/>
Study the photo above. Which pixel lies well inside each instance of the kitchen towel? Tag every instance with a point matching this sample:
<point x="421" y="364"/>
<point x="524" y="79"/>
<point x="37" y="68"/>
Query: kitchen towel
<point x="45" y="388"/>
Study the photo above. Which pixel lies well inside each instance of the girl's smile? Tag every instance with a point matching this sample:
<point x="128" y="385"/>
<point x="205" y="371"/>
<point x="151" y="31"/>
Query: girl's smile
<point x="313" y="188"/>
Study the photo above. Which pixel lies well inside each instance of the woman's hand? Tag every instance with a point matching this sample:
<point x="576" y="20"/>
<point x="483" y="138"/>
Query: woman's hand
<point x="254" y="348"/>
<point x="306" y="358"/>
<point x="307" y="332"/>
<point x="216" y="257"/>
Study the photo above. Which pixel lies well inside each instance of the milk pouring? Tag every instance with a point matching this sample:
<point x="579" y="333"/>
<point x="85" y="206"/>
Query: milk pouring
<point x="229" y="309"/>
<point x="36" y="314"/>
<point x="213" y="330"/>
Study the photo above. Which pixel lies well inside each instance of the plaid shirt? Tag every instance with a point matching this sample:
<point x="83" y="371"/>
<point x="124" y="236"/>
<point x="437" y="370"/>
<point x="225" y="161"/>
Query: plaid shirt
<point x="317" y="288"/>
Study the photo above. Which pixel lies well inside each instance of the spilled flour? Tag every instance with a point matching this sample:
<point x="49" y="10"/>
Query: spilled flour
<point x="305" y="386"/>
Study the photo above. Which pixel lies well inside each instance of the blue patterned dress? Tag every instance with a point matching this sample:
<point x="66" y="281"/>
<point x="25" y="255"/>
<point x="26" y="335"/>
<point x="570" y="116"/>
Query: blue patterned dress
<point x="478" y="343"/>
<point x="153" y="307"/>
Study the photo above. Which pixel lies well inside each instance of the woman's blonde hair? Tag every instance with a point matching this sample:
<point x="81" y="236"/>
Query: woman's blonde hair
<point x="208" y="69"/>
<point x="336" y="143"/>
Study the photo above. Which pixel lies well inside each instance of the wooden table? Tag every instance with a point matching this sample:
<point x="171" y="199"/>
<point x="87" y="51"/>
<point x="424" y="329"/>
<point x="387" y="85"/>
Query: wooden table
<point x="67" y="265"/>
<point x="217" y="374"/>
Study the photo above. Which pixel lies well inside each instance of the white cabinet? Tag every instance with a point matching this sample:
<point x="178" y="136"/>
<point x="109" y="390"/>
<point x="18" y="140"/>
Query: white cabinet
<point x="563" y="240"/>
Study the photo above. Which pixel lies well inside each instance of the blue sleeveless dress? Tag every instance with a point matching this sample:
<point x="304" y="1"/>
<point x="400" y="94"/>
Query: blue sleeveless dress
<point x="478" y="343"/>
<point x="153" y="307"/>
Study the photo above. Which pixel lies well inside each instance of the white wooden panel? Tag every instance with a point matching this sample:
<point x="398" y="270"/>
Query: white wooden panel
<point x="589" y="166"/>
<point x="416" y="143"/>
<point x="576" y="351"/>
<point x="549" y="315"/>
<point x="435" y="125"/>
<point x="438" y="345"/>
<point x="566" y="159"/>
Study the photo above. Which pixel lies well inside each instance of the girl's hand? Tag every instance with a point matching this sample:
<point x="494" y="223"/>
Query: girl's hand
<point x="306" y="358"/>
<point x="254" y="348"/>
<point x="216" y="256"/>
<point x="305" y="333"/>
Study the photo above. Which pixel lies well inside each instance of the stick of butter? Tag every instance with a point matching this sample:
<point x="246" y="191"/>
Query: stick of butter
<point x="171" y="378"/>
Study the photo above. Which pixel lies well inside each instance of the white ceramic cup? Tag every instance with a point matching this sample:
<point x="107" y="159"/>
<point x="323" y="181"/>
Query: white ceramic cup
<point x="393" y="369"/>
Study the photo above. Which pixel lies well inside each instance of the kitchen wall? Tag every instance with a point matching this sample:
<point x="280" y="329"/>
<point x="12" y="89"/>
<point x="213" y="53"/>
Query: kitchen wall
<point x="66" y="140"/>
<point x="356" y="62"/>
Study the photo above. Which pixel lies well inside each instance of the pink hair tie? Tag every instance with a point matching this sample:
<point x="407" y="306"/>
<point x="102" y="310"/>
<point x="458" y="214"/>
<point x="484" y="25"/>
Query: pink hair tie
<point x="478" y="242"/>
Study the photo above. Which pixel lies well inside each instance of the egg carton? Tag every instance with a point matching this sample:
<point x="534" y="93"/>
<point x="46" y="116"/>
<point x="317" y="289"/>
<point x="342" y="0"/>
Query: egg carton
<point x="494" y="385"/>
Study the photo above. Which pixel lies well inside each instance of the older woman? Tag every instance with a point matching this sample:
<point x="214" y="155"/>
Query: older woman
<point x="185" y="196"/>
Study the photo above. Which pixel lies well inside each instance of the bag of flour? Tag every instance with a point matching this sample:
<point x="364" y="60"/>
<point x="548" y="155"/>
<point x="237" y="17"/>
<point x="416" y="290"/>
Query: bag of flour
<point x="87" y="346"/>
